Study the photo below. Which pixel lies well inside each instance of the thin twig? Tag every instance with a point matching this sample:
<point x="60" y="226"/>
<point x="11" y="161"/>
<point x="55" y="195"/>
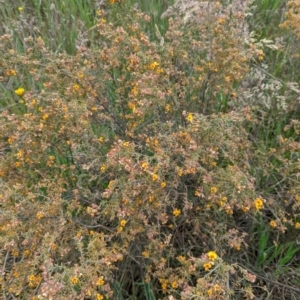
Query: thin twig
<point x="272" y="281"/>
<point x="92" y="226"/>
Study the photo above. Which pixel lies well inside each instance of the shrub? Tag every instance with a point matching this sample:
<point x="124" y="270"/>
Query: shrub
<point x="124" y="171"/>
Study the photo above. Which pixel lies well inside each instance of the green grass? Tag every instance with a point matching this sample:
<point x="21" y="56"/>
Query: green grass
<point x="61" y="23"/>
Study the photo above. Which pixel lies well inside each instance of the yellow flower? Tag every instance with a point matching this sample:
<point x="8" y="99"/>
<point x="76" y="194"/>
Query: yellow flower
<point x="19" y="154"/>
<point x="212" y="255"/>
<point x="273" y="224"/>
<point x="221" y="20"/>
<point x="297" y="225"/>
<point x="180" y="172"/>
<point x="17" y="164"/>
<point x="245" y="208"/>
<point x="10" y="73"/>
<point x="154" y="177"/>
<point x="227" y="78"/>
<point x="259" y="204"/>
<point x="217" y="288"/>
<point x="101" y="139"/>
<point x="31" y="277"/>
<point x="176" y="212"/>
<point x="74" y="280"/>
<point x="100" y="281"/>
<point x="99" y="297"/>
<point x="174" y="285"/>
<point x="76" y="87"/>
<point x="123" y="223"/>
<point x="126" y="144"/>
<point x="209" y="292"/>
<point x="10" y="140"/>
<point x="159" y="70"/>
<point x="36" y="281"/>
<point x="103" y="168"/>
<point x="20" y="8"/>
<point x="163" y="184"/>
<point x="181" y="258"/>
<point x="213" y="189"/>
<point x="134" y="90"/>
<point x="153" y="65"/>
<point x="45" y="116"/>
<point x="260" y="55"/>
<point x="207" y="266"/>
<point x="189" y="118"/>
<point x="145" y="165"/>
<point x="20" y="92"/>
<point x="164" y="286"/>
<point x="111" y="1"/>
<point x="111" y="184"/>
<point x="39" y="215"/>
<point x="146" y="254"/>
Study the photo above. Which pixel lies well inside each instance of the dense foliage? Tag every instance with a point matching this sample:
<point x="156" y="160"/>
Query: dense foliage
<point x="149" y="152"/>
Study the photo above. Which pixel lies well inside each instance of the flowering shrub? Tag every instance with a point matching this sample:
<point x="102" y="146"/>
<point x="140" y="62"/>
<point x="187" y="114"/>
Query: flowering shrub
<point x="123" y="165"/>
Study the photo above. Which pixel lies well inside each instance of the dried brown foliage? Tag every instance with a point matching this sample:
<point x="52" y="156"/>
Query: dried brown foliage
<point x="116" y="167"/>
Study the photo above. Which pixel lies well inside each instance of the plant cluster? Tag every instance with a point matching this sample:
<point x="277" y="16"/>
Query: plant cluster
<point x="143" y="165"/>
